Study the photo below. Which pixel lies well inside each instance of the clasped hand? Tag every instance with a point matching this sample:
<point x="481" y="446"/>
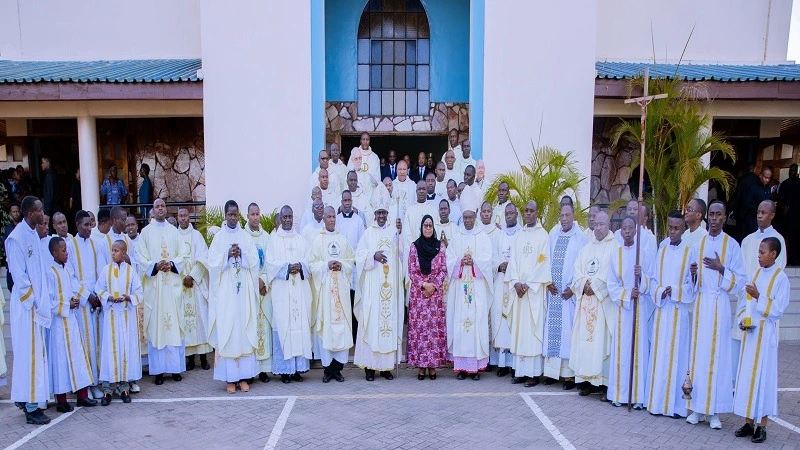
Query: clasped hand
<point x="295" y="268"/>
<point x="335" y="266"/>
<point x="466" y="260"/>
<point x="521" y="289"/>
<point x="234" y="251"/>
<point x="164" y="266"/>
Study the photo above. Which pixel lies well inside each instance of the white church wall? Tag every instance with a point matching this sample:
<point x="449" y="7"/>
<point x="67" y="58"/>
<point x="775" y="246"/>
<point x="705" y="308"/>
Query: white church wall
<point x="732" y="31"/>
<point x="257" y="109"/>
<point x="99" y="29"/>
<point x="539" y="79"/>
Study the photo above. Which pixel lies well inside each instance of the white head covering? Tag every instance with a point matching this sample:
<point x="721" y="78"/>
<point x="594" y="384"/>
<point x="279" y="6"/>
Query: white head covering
<point x="380" y="198"/>
<point x="469" y="200"/>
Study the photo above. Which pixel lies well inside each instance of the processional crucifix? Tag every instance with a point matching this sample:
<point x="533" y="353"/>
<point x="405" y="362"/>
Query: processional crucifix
<point x="642" y="101"/>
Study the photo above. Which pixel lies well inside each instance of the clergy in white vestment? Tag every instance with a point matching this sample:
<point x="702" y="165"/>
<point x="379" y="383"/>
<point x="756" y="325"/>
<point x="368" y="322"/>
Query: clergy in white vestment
<point x="378" y="303"/>
<point x="471" y="276"/>
<point x="590" y="346"/>
<point x="481" y="184"/>
<point x="648" y="238"/>
<point x="499" y="329"/>
<point x="332" y="180"/>
<point x="757" y="383"/>
<point x="87" y="256"/>
<point x="336" y="167"/>
<point x="119" y="290"/>
<point x="565" y="243"/>
<point x="443" y="225"/>
<point x="331" y="194"/>
<point x="308" y="213"/>
<point x="194" y="295"/>
<point x="100" y="232"/>
<point x="359" y="194"/>
<point x="161" y="255"/>
<point x="589" y="230"/>
<point x="290" y="290"/>
<point x="528" y="275"/>
<point x="461" y="153"/>
<point x="695" y="225"/>
<point x="450" y="172"/>
<point x="30" y="312"/>
<point x="415" y="212"/>
<point x="67" y="356"/>
<point x="673" y="293"/>
<point x="369" y="169"/>
<point x="233" y="264"/>
<point x="750" y="245"/>
<point x="404" y="190"/>
<point x="487" y="220"/>
<point x="454" y="201"/>
<point x="499" y="211"/>
<point x="3" y="366"/>
<point x="441" y="181"/>
<point x="310" y="230"/>
<point x="352" y="225"/>
<point x="629" y="283"/>
<point x="331" y="263"/>
<point x="260" y="239"/>
<point x="719" y="272"/>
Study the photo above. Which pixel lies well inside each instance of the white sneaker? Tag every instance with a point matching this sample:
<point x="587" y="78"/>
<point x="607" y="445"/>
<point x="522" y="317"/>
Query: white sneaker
<point x="135" y="389"/>
<point x="96" y="393"/>
<point x="695" y="418"/>
<point x="713" y="422"/>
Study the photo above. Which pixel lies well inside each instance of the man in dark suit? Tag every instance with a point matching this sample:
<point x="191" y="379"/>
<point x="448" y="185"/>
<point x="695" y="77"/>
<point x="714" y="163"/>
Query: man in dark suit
<point x="419" y="171"/>
<point x="390" y="169"/>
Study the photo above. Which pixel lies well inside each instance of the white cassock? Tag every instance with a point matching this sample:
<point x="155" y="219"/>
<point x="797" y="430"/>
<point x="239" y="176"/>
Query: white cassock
<point x="3" y="367"/>
<point x="529" y="264"/>
<point x="361" y="200"/>
<point x="331" y="197"/>
<point x="194" y="300"/>
<point x="621" y="282"/>
<point x="692" y="238"/>
<point x="413" y="220"/>
<point x="590" y="347"/>
<point x="333" y="328"/>
<point x="378" y="305"/>
<point x="370" y="170"/>
<point x="499" y="214"/>
<point x="648" y="240"/>
<point x="311" y="230"/>
<point x="750" y="246"/>
<point x="291" y="303"/>
<point x="500" y="339"/>
<point x="446" y="230"/>
<point x="86" y="258"/>
<point x="405" y="192"/>
<point x="260" y="240"/>
<point x="163" y="311"/>
<point x="441" y="189"/>
<point x="757" y="382"/>
<point x="119" y="332"/>
<point x="352" y="226"/>
<point x="709" y="358"/>
<point x="460" y="163"/>
<point x="67" y="356"/>
<point x="131" y="243"/>
<point x="30" y="315"/>
<point x="469" y="299"/>
<point x="334" y="182"/>
<point x="233" y="305"/>
<point x="669" y="355"/>
<point x="455" y="211"/>
<point x="338" y="170"/>
<point x="560" y="313"/>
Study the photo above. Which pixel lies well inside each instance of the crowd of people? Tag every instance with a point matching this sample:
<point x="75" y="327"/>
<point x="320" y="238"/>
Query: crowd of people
<point x="645" y="324"/>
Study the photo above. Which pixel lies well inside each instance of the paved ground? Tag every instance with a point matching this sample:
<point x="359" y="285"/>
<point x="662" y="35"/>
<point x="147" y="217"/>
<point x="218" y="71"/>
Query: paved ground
<point x="404" y="413"/>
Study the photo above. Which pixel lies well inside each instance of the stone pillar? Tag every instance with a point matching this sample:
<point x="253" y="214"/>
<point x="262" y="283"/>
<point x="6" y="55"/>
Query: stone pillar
<point x="87" y="157"/>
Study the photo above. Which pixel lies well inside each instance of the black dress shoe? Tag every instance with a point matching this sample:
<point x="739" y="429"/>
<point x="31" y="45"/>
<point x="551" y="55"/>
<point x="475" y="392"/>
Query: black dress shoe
<point x="569" y="385"/>
<point x="86" y="402"/>
<point x="125" y="396"/>
<point x="36" y="418"/>
<point x="64" y="407"/>
<point x="532" y="382"/>
<point x="420" y="376"/>
<point x="387" y="374"/>
<point x="548" y="381"/>
<point x="503" y="371"/>
<point x="584" y="392"/>
<point x="263" y="377"/>
<point x="461" y="376"/>
<point x="297" y="377"/>
<point x="760" y="435"/>
<point x="489" y="368"/>
<point x="370" y="374"/>
<point x="190" y="363"/>
<point x="285" y="379"/>
<point x="159" y="380"/>
<point x="176" y="377"/>
<point x="106" y="400"/>
<point x="432" y="376"/>
<point x="746" y="430"/>
<point x="326" y="378"/>
<point x="204" y="362"/>
<point x="339" y="377"/>
<point x="517" y="380"/>
<point x="476" y="376"/>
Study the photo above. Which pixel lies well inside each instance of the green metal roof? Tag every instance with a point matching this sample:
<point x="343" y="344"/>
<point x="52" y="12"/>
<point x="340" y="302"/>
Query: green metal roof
<point x="700" y="72"/>
<point x="127" y="71"/>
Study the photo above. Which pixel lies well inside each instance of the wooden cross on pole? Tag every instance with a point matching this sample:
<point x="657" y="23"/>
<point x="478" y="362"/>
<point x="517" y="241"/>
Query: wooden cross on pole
<point x="642" y="101"/>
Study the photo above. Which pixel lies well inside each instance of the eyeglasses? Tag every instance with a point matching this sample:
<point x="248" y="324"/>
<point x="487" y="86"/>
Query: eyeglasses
<point x="691" y="210"/>
<point x="427" y="225"/>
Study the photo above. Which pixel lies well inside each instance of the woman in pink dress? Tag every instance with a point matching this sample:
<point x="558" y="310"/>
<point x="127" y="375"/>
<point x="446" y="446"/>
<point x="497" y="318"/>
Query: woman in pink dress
<point x="427" y="326"/>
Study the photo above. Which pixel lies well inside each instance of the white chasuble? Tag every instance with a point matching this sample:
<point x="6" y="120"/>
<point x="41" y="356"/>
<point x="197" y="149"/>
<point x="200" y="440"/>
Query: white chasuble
<point x="501" y="298"/>
<point x="334" y="314"/>
<point x="469" y="294"/>
<point x="757" y="380"/>
<point x="669" y="354"/>
<point x="194" y="300"/>
<point x="290" y="293"/>
<point x="621" y="282"/>
<point x="710" y="355"/>
<point x="260" y="239"/>
<point x="163" y="311"/>
<point x="590" y="345"/>
<point x="119" y="333"/>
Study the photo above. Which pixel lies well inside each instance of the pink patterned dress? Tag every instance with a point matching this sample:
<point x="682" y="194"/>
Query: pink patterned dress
<point x="427" y="326"/>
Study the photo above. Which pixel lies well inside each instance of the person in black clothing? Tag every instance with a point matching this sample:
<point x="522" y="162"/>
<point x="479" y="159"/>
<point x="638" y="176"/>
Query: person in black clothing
<point x="51" y="198"/>
<point x="755" y="194"/>
<point x="789" y="205"/>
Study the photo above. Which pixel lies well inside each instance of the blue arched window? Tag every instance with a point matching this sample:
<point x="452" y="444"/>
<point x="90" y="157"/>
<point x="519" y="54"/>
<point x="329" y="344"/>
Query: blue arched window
<point x="394" y="59"/>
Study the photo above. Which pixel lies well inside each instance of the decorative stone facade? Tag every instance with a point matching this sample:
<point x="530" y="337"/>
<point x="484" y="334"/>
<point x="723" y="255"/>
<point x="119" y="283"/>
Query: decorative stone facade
<point x="341" y="118"/>
<point x="610" y="166"/>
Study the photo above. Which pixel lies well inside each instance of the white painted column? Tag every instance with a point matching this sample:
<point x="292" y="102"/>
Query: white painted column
<point x="87" y="156"/>
<point x="702" y="191"/>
